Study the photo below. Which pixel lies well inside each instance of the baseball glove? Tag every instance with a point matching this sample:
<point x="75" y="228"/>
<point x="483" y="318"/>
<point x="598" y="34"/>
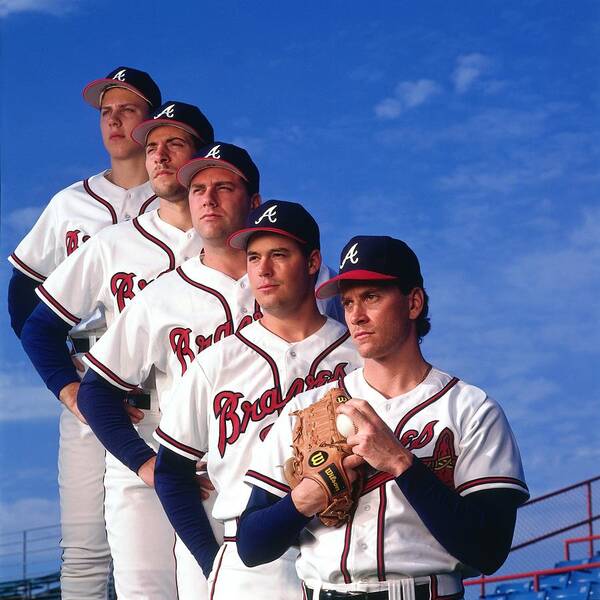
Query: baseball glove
<point x="318" y="451"/>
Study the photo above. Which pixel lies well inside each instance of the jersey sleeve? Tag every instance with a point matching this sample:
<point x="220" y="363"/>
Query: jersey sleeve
<point x="489" y="456"/>
<point x="184" y="423"/>
<point x="266" y="466"/>
<point x="39" y="252"/>
<point x="74" y="290"/>
<point x="126" y="354"/>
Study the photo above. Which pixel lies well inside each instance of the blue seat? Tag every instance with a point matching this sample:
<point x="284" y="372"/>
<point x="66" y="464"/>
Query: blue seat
<point x="558" y="581"/>
<point x="514" y="586"/>
<point x="572" y="563"/>
<point x="528" y="595"/>
<point x="583" y="576"/>
<point x="594" y="591"/>
<point x="580" y="591"/>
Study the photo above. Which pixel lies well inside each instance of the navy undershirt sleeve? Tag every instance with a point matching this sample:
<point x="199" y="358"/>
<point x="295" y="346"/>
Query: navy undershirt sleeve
<point x="44" y="338"/>
<point x="268" y="527"/>
<point x="176" y="486"/>
<point x="477" y="528"/>
<point x="103" y="406"/>
<point x="22" y="299"/>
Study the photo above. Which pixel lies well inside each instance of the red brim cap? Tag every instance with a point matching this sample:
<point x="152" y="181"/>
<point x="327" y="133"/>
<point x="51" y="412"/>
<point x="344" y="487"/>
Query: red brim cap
<point x="239" y="239"/>
<point x="92" y="92"/>
<point x="332" y="286"/>
<point x="186" y="173"/>
<point x="140" y="133"/>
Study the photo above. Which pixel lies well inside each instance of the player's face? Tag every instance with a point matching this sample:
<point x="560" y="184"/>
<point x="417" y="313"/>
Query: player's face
<point x="281" y="277"/>
<point x="167" y="149"/>
<point x="219" y="204"/>
<point x="380" y="318"/>
<point x="121" y="111"/>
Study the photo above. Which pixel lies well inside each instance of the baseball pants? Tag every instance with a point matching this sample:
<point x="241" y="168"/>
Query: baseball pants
<point x="85" y="551"/>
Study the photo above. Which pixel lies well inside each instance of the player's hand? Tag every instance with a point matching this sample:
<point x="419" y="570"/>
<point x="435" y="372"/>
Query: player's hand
<point x="374" y="441"/>
<point x="204" y="483"/>
<point x="146" y="472"/>
<point x="68" y="396"/>
<point x="135" y="414"/>
<point x="308" y="496"/>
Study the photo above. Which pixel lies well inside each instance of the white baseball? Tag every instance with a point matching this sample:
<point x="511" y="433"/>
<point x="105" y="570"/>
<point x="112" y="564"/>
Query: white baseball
<point x="345" y="425"/>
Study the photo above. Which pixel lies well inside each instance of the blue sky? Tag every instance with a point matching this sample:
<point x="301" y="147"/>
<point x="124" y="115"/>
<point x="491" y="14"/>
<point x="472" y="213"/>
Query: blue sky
<point x="469" y="130"/>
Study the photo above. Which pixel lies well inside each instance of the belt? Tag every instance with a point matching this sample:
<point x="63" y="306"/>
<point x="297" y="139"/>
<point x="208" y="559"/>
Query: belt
<point x="421" y="593"/>
<point x="141" y="401"/>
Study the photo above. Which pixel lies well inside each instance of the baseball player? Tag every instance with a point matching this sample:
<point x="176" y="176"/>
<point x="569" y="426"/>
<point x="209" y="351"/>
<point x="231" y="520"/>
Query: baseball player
<point x="156" y="338"/>
<point x="232" y="394"/>
<point x="106" y="274"/>
<point x="125" y="97"/>
<point x="442" y="475"/>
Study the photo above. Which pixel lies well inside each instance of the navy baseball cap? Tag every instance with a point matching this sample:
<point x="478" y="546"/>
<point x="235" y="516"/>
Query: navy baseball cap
<point x="223" y="156"/>
<point x="178" y="114"/>
<point x="139" y="82"/>
<point x="289" y="219"/>
<point x="375" y="258"/>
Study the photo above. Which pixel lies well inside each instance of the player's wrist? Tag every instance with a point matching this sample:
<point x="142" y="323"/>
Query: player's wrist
<point x="305" y="502"/>
<point x="402" y="463"/>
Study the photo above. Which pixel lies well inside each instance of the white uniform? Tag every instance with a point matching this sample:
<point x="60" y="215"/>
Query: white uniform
<point x="71" y="217"/>
<point x="456" y="430"/>
<point x="225" y="405"/>
<point x="160" y="334"/>
<point x="107" y="273"/>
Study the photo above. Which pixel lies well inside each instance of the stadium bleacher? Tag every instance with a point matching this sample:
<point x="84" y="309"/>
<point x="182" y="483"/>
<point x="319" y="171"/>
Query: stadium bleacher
<point x="581" y="584"/>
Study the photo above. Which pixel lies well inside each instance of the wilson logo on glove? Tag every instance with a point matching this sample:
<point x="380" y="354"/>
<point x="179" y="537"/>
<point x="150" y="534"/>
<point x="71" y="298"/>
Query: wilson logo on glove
<point x="317" y="458"/>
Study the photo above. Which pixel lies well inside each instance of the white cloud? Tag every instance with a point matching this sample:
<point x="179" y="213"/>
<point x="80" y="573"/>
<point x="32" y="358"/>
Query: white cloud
<point x="26" y="513"/>
<point x="469" y="68"/>
<point x="22" y="397"/>
<point x="52" y="7"/>
<point x="407" y="95"/>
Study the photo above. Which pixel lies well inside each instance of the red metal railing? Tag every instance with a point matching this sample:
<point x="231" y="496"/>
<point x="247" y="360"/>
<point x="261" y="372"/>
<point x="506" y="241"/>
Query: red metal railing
<point x="589" y="520"/>
<point x="590" y="538"/>
<point x="587" y="538"/>
<point x="532" y="574"/>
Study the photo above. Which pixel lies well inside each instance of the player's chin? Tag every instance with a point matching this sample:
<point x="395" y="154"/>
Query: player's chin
<point x="167" y="187"/>
<point x="122" y="150"/>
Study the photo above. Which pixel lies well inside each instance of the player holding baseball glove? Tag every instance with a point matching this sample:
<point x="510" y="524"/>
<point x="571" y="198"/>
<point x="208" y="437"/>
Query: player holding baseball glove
<point x="233" y="392"/>
<point x="443" y="472"/>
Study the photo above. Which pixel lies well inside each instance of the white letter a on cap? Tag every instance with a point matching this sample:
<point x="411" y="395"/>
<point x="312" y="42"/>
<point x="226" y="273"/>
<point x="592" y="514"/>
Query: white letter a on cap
<point x="270" y="214"/>
<point x="351" y="255"/>
<point x="214" y="152"/>
<point x="168" y="111"/>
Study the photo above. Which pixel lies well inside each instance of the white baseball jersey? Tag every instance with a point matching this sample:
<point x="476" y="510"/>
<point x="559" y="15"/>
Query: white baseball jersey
<point x="74" y="215"/>
<point x="455" y="429"/>
<point x="231" y="396"/>
<point x="184" y="312"/>
<point x="115" y="265"/>
<point x="225" y="405"/>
